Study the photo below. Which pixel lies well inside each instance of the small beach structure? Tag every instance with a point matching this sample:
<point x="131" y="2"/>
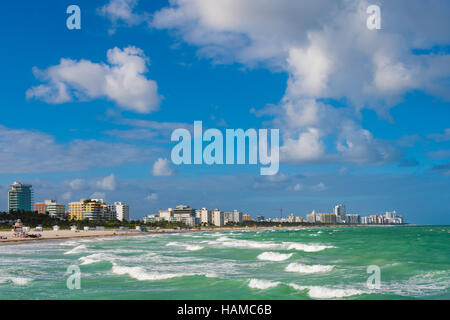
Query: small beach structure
<point x="73" y="228"/>
<point x="18" y="230"/>
<point x="56" y="228"/>
<point x="38" y="228"/>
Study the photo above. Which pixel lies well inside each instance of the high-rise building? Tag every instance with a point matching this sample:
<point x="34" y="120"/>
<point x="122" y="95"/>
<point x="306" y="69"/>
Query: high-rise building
<point x="51" y="207"/>
<point x="227" y="217"/>
<point x="218" y="218"/>
<point x="391" y="214"/>
<point x="237" y="216"/>
<point x="20" y="197"/>
<point x="328" y="218"/>
<point x="246" y="217"/>
<point x="206" y="216"/>
<point x="313" y="217"/>
<point x="40" y="208"/>
<point x="291" y="218"/>
<point x="122" y="211"/>
<point x="340" y="212"/>
<point x="353" y="219"/>
<point x="87" y="209"/>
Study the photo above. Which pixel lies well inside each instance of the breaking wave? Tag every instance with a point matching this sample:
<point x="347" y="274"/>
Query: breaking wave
<point x="262" y="284"/>
<point x="303" y="268"/>
<point x="274" y="256"/>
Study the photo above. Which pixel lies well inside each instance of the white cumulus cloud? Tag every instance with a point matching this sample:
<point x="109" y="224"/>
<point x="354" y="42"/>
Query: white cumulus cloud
<point x="107" y="183"/>
<point x="161" y="168"/>
<point x="122" y="80"/>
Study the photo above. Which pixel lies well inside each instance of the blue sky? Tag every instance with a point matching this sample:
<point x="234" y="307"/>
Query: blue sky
<point x="363" y="115"/>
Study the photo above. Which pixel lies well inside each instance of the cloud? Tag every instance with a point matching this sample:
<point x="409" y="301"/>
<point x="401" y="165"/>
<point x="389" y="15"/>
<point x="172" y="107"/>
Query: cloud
<point x="77" y="184"/>
<point x="439" y="154"/>
<point x="121" y="80"/>
<point x="152" y="197"/>
<point x="98" y="195"/>
<point x="116" y="10"/>
<point x="161" y="168"/>
<point x="28" y="151"/>
<point x="319" y="187"/>
<point x="324" y="45"/>
<point x="328" y="53"/>
<point x="441" y="137"/>
<point x="142" y="129"/>
<point x="107" y="183"/>
<point x="443" y="169"/>
<point x="132" y="134"/>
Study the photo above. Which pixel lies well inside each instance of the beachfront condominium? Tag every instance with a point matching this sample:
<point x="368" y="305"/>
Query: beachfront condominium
<point x="206" y="217"/>
<point x="247" y="217"/>
<point x="51" y="207"/>
<point x="91" y="209"/>
<point x="353" y="219"/>
<point x="218" y="218"/>
<point x="122" y="211"/>
<point x="328" y="218"/>
<point x="340" y="212"/>
<point x="20" y="197"/>
<point x="313" y="217"/>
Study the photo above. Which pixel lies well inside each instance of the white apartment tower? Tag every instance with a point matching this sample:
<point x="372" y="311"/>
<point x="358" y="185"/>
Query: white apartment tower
<point x="122" y="211"/>
<point x="218" y="218"/>
<point x="340" y="212"/>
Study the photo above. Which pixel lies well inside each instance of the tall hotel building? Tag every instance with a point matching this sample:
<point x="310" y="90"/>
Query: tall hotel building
<point x="20" y="197"/>
<point x="122" y="211"/>
<point x="86" y="209"/>
<point x="50" y="206"/>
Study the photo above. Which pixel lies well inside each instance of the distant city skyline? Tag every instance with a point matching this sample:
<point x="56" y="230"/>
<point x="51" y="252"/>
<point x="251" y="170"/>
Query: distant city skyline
<point x="20" y="198"/>
<point x="362" y="113"/>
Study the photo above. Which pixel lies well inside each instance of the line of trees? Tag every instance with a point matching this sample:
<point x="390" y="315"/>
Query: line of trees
<point x="33" y="219"/>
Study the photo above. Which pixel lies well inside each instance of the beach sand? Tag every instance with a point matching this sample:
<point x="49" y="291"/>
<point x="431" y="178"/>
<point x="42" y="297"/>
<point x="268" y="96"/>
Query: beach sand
<point x="68" y="234"/>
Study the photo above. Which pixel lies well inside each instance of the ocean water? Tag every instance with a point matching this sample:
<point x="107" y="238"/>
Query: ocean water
<point x="317" y="263"/>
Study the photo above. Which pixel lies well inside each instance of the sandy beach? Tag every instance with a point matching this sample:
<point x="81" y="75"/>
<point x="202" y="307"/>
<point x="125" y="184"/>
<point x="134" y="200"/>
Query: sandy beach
<point x="68" y="234"/>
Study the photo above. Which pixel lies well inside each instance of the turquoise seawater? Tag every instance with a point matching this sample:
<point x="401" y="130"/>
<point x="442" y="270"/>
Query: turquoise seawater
<point x="318" y="263"/>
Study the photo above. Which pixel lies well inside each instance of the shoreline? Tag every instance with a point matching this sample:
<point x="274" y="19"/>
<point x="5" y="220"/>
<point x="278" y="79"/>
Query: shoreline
<point x="69" y="234"/>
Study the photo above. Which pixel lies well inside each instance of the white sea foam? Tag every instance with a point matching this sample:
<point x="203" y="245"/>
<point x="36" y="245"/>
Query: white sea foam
<point x="306" y="247"/>
<point x="274" y="256"/>
<point x="77" y="249"/>
<point x="69" y="243"/>
<point x="94" y="258"/>
<point x="238" y="243"/>
<point x="424" y="284"/>
<point x="189" y="247"/>
<point x="193" y="247"/>
<point x="303" y="268"/>
<point x="140" y="274"/>
<point x="262" y="284"/>
<point x="227" y="242"/>
<point x="20" y="281"/>
<point x="318" y="292"/>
